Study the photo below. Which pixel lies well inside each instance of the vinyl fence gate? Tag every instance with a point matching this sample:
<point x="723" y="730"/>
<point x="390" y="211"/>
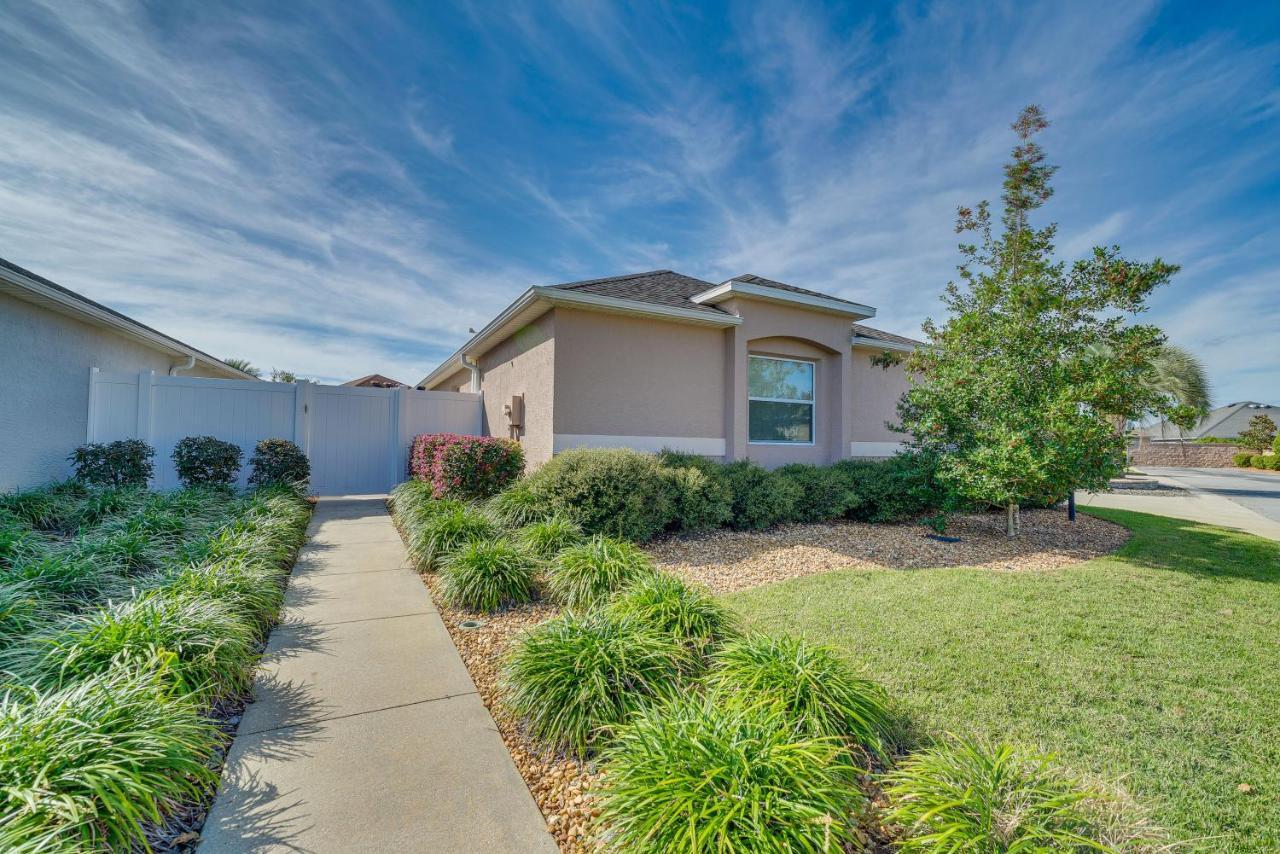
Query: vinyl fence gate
<point x="356" y="438"/>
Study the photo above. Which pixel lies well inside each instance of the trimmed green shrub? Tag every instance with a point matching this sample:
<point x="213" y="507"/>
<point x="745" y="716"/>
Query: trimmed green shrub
<point x="547" y="538"/>
<point x="807" y="681"/>
<point x="1273" y="462"/>
<point x="699" y="500"/>
<point x="618" y="492"/>
<point x="450" y="526"/>
<point x="1258" y="461"/>
<point x="208" y="650"/>
<point x="126" y="462"/>
<point x="279" y="462"/>
<point x="696" y="777"/>
<point x="206" y="461"/>
<point x="1275" y="445"/>
<point x="761" y="498"/>
<point x="516" y="506"/>
<point x="88" y="767"/>
<point x="823" y="493"/>
<point x="587" y="574"/>
<point x="484" y="575"/>
<point x="577" y="677"/>
<point x="663" y="602"/>
<point x="962" y="796"/>
<point x="465" y="467"/>
<point x="1242" y="460"/>
<point x="898" y="489"/>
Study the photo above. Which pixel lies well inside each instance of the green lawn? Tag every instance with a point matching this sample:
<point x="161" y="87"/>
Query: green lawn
<point x="1159" y="664"/>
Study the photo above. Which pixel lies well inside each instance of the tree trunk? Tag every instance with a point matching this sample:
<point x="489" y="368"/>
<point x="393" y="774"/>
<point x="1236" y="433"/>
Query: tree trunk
<point x="1014" y="519"/>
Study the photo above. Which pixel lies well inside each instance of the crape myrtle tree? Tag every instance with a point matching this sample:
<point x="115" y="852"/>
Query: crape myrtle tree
<point x="1016" y="390"/>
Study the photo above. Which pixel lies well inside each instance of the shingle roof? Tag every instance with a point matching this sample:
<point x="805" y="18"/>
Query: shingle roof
<point x="660" y="287"/>
<point x="753" y="279"/>
<point x="879" y="335"/>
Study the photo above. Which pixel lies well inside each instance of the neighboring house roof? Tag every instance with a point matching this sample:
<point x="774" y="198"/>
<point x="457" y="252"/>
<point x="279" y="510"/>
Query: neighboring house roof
<point x="375" y="381"/>
<point x="26" y="285"/>
<point x="875" y="337"/>
<point x="1226" y="422"/>
<point x="660" y="293"/>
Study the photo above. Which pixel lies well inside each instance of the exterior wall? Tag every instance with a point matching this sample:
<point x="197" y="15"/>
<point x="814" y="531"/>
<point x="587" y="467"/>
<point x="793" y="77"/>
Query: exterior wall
<point x="44" y="386"/>
<point x="624" y="381"/>
<point x="873" y="403"/>
<point x="522" y="364"/>
<point x="771" y="329"/>
<point x="1184" y="454"/>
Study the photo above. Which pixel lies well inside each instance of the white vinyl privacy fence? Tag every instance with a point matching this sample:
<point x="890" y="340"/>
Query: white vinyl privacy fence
<point x="356" y="438"/>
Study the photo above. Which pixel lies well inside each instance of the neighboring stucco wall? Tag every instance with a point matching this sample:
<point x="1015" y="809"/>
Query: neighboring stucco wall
<point x="874" y="401"/>
<point x="44" y="386"/>
<point x="523" y="364"/>
<point x="645" y="380"/>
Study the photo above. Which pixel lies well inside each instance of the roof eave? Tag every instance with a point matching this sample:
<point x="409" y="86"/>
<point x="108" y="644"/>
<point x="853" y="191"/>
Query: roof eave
<point x="734" y="288"/>
<point x="881" y="344"/>
<point x="66" y="302"/>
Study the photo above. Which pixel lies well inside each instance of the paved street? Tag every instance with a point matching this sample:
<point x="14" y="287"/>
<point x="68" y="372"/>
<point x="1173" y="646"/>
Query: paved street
<point x="1258" y="491"/>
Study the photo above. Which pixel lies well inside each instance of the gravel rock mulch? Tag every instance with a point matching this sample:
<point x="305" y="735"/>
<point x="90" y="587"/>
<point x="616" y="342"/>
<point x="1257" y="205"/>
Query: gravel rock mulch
<point x="561" y="785"/>
<point x="728" y="561"/>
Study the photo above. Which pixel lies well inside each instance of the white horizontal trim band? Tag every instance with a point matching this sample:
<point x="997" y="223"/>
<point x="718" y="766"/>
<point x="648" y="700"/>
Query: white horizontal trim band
<point x="651" y="444"/>
<point x="874" y="449"/>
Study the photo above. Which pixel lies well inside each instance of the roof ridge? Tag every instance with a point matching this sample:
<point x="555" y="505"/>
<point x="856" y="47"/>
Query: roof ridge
<point x="621" y="278"/>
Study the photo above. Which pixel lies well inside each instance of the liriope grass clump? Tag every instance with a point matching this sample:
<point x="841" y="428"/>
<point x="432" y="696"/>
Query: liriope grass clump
<point x="86" y="767"/>
<point x="23" y="610"/>
<point x="484" y="575"/>
<point x="517" y="506"/>
<point x="587" y="574"/>
<point x="547" y="538"/>
<point x="665" y="603"/>
<point x="807" y="682"/>
<point x="252" y="590"/>
<point x="967" y="796"/>
<point x="70" y="574"/>
<point x="697" y="776"/>
<point x="576" y="678"/>
<point x="208" y="649"/>
<point x="452" y="525"/>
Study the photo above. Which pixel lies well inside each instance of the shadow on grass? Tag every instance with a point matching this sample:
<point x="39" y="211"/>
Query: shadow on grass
<point x="1205" y="551"/>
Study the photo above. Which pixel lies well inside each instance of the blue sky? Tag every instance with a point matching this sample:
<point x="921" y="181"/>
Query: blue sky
<point x="348" y="191"/>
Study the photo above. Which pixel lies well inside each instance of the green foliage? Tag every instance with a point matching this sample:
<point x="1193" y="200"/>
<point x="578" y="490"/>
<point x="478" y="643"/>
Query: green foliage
<point x="618" y="492"/>
<point x="663" y="602"/>
<point x="484" y="575"/>
<point x="761" y="498"/>
<point x="822" y="493"/>
<point x="206" y="648"/>
<point x="449" y="525"/>
<point x="693" y="776"/>
<point x="1258" y="461"/>
<point x="1242" y="460"/>
<point x="127" y="462"/>
<point x="1275" y="445"/>
<point x="23" y="609"/>
<point x="517" y="506"/>
<point x="252" y="590"/>
<point x="574" y="679"/>
<point x="1020" y="389"/>
<point x="1260" y="434"/>
<point x="547" y="538"/>
<point x="813" y="688"/>
<point x="964" y="796"/>
<point x="585" y="575"/>
<point x="898" y="489"/>
<point x="244" y="366"/>
<point x="68" y="574"/>
<point x="89" y="766"/>
<point x="206" y="461"/>
<point x="699" y="500"/>
<point x="279" y="462"/>
<point x="465" y="467"/>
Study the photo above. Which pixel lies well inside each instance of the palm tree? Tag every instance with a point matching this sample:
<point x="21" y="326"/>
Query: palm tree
<point x="1181" y="378"/>
<point x="244" y="366"/>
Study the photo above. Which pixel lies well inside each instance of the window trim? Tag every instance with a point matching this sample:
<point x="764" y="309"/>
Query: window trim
<point x="812" y="404"/>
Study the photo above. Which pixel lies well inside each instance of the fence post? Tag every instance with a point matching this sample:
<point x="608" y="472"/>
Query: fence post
<point x="396" y="433"/>
<point x="145" y="385"/>
<point x="302" y="416"/>
<point x="91" y="427"/>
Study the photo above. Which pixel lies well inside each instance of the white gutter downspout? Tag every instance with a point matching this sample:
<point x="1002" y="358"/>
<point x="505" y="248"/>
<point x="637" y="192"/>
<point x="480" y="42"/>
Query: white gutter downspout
<point x="474" y="387"/>
<point x="175" y="369"/>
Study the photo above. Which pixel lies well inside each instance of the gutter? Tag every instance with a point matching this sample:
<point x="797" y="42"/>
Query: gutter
<point x="175" y="368"/>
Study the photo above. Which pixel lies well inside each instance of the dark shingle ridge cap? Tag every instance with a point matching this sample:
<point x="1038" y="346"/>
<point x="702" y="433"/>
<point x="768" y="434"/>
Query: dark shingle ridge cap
<point x="78" y="297"/>
<point x="753" y="279"/>
<point x="863" y="331"/>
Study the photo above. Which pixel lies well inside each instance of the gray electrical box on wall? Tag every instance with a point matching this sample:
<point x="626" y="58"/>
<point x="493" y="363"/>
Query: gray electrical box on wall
<point x="516" y="410"/>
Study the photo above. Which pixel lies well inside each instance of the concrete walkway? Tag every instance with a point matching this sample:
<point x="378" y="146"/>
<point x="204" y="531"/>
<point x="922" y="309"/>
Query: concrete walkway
<point x="1197" y="505"/>
<point x="366" y="732"/>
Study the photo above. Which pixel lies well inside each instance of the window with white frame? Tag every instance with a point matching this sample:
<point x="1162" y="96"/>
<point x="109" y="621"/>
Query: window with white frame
<point x="779" y="400"/>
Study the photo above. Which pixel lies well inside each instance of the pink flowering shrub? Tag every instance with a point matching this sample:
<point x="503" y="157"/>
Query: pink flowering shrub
<point x="465" y="467"/>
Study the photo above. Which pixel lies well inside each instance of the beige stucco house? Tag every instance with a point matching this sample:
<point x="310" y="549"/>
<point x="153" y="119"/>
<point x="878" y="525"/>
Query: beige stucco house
<point x="50" y="337"/>
<point x="750" y="368"/>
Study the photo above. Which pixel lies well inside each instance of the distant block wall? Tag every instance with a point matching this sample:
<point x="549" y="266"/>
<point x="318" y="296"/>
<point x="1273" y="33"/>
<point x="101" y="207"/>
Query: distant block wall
<point x="1188" y="454"/>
